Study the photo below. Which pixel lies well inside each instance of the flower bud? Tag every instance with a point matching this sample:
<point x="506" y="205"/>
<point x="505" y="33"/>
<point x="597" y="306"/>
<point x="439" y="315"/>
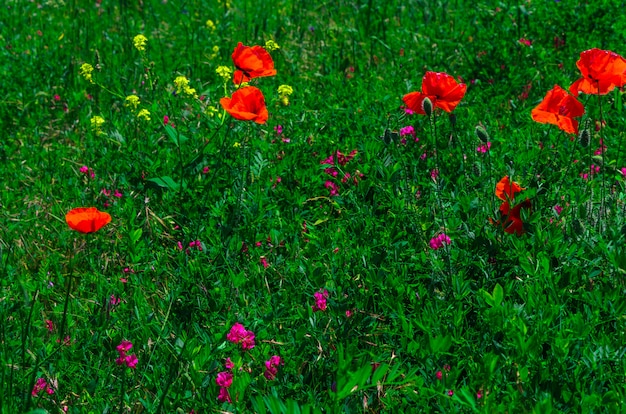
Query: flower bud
<point x="427" y="106"/>
<point x="482" y="134"/>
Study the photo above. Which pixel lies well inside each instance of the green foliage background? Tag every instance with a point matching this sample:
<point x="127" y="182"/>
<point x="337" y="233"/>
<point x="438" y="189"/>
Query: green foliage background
<point x="534" y="323"/>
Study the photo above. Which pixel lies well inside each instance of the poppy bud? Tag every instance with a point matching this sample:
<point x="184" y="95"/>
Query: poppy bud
<point x="482" y="134"/>
<point x="427" y="106"/>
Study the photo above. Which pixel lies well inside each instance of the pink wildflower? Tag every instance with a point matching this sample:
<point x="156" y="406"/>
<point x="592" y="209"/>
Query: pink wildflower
<point x="439" y="241"/>
<point x="483" y="149"/>
<point x="623" y="171"/>
<point x="450" y="393"/>
<point x="525" y="41"/>
<point x="117" y="194"/>
<point x="349" y="313"/>
<point x="166" y="120"/>
<point x="434" y="174"/>
<point x="439" y="375"/>
<point x="224" y="396"/>
<point x="238" y="334"/>
<point x="131" y="361"/>
<point x="320" y="300"/>
<point x="278" y="129"/>
<point x="224" y="379"/>
<point x="40" y="385"/>
<point x="229" y="364"/>
<point x="479" y="394"/>
<point x="49" y="325"/>
<point x="264" y="262"/>
<point x="271" y="367"/>
<point x="557" y="209"/>
<point x="87" y="171"/>
<point x="334" y="190"/>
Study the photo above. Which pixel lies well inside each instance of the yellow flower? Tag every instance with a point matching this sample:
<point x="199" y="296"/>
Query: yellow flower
<point x="271" y="45"/>
<point x="237" y="145"/>
<point x="211" y="110"/>
<point x="132" y="101"/>
<point x="144" y="114"/>
<point x="224" y="72"/>
<point x="182" y="85"/>
<point x="96" y="124"/>
<point x="140" y="42"/>
<point x="216" y="49"/>
<point x="85" y="71"/>
<point x="285" y="90"/>
<point x="210" y="25"/>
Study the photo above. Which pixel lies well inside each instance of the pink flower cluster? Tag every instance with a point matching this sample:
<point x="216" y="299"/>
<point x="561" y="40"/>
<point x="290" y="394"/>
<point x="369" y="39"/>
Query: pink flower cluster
<point x="320" y="300"/>
<point x="439" y="241"/>
<point x="483" y="149"/>
<point x="41" y="385"/>
<point x="271" y="367"/>
<point x="87" y="171"/>
<point x="107" y="194"/>
<point x="339" y="159"/>
<point x="239" y="335"/>
<point x="407" y="131"/>
<point x="593" y="169"/>
<point x="224" y="380"/>
<point x="129" y="360"/>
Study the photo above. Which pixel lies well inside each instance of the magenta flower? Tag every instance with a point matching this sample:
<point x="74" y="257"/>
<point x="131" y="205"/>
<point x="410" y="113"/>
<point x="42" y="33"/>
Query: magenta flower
<point x="439" y="375"/>
<point x="271" y="367"/>
<point x="623" y="171"/>
<point x="439" y="241"/>
<point x="557" y="209"/>
<point x="40" y="385"/>
<point x="124" y="347"/>
<point x="129" y="360"/>
<point x="334" y="190"/>
<point x="320" y="300"/>
<point x="483" y="149"/>
<point x="87" y="171"/>
<point x="224" y="379"/>
<point x="224" y="396"/>
<point x="229" y="364"/>
<point x="238" y="334"/>
<point x="264" y="262"/>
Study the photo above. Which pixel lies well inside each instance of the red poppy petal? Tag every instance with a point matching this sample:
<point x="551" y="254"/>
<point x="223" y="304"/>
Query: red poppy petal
<point x="87" y="219"/>
<point x="414" y="101"/>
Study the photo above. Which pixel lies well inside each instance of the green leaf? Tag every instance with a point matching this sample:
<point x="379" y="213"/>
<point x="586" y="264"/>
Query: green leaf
<point x="498" y="295"/>
<point x="166" y="182"/>
<point x="176" y="137"/>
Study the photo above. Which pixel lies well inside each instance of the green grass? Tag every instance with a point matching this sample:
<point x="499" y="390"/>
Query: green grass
<point x="530" y="323"/>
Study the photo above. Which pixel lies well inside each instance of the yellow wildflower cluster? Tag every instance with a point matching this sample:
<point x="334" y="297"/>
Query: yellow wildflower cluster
<point x="85" y="71"/>
<point x="215" y="50"/>
<point x="182" y="85"/>
<point x="284" y="91"/>
<point x="144" y="114"/>
<point x="271" y="45"/>
<point x="210" y="25"/>
<point x="211" y="110"/>
<point x="140" y="42"/>
<point x="132" y="101"/>
<point x="224" y="72"/>
<point x="96" y="124"/>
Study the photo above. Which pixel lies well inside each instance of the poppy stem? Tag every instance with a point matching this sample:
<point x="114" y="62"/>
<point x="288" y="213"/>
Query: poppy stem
<point x="603" y="188"/>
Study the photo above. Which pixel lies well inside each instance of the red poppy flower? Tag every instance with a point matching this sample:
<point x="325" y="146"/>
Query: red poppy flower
<point x="442" y="90"/>
<point x="510" y="218"/>
<point x="602" y="71"/>
<point x="87" y="219"/>
<point x="251" y="62"/>
<point x="559" y="108"/>
<point x="246" y="104"/>
<point x="506" y="190"/>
